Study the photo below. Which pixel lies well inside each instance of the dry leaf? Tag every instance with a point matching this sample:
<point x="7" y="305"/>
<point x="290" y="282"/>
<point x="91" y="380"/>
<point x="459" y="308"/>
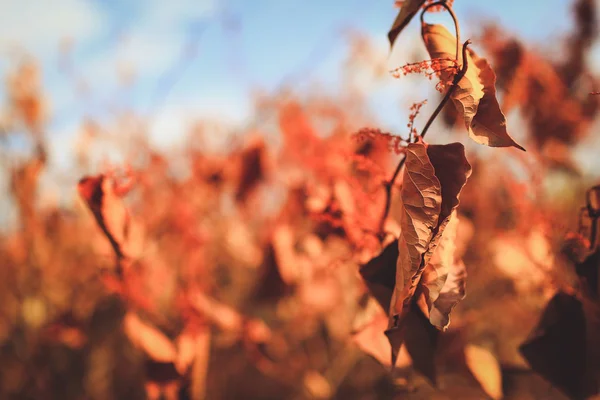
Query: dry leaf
<point x="373" y="341"/>
<point x="486" y="369"/>
<point x="475" y="96"/>
<point x="153" y="342"/>
<point x="489" y="124"/>
<point x="125" y="236"/>
<point x="421" y="205"/>
<point x="451" y="294"/>
<point x="408" y="10"/>
<point x="433" y="178"/>
<point x="444" y="279"/>
<point x="556" y="349"/>
<point x="380" y="275"/>
<point x="421" y="339"/>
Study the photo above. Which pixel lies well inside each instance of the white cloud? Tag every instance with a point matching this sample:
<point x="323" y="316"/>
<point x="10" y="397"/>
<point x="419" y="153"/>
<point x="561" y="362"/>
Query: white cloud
<point x="152" y="42"/>
<point x="172" y="123"/>
<point x="38" y="26"/>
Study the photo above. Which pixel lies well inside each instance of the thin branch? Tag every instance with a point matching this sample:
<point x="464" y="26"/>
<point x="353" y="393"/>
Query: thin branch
<point x="455" y="81"/>
<point x="454" y="19"/>
<point x="388" y="194"/>
<point x="443" y="3"/>
<point x="390" y="184"/>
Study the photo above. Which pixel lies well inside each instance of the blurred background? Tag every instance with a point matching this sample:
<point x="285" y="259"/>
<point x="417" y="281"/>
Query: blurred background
<point x="234" y="120"/>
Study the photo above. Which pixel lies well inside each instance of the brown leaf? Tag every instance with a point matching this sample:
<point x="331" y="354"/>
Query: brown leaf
<point x="433" y="178"/>
<point x="421" y="196"/>
<point x="421" y="342"/>
<point x="153" y="342"/>
<point x="372" y="340"/>
<point x="380" y="275"/>
<point x="408" y="10"/>
<point x="451" y="294"/>
<point x="440" y="293"/>
<point x="125" y="236"/>
<point x="475" y="96"/>
<point x="489" y="124"/>
<point x="556" y="349"/>
<point x="486" y="369"/>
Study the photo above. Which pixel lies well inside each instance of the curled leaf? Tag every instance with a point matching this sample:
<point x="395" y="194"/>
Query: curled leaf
<point x="408" y="10"/>
<point x="421" y="205"/>
<point x="475" y="96"/>
<point x="489" y="124"/>
<point x="124" y="235"/>
<point x="443" y="281"/>
<point x="451" y="294"/>
<point x="432" y="181"/>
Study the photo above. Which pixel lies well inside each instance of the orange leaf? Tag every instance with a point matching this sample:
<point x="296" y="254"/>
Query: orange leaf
<point x="125" y="236"/>
<point x="475" y="96"/>
<point x="433" y="178"/>
<point x="486" y="369"/>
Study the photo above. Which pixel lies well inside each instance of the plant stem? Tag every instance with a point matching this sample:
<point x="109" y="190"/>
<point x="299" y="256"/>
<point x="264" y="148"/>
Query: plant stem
<point x="390" y="184"/>
<point x="388" y="194"/>
<point x="454" y="19"/>
<point x="457" y="78"/>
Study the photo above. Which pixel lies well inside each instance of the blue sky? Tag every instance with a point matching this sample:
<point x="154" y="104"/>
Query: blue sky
<point x="213" y="54"/>
<point x="228" y="48"/>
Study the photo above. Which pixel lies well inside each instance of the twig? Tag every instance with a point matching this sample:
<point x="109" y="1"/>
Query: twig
<point x="455" y="81"/>
<point x="454" y="19"/>
<point x="390" y="184"/>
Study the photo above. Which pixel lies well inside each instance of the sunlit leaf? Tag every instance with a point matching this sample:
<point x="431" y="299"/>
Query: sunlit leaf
<point x="451" y="294"/>
<point x="475" y="96"/>
<point x="433" y="178"/>
<point x="125" y="236"/>
<point x="486" y="369"/>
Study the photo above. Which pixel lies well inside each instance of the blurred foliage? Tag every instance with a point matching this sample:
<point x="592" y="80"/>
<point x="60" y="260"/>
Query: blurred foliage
<point x="239" y="271"/>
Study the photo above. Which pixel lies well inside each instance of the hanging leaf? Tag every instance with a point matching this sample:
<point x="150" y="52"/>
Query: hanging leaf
<point x="451" y="294"/>
<point x="433" y="178"/>
<point x="380" y="275"/>
<point x="408" y="10"/>
<point x="421" y="196"/>
<point x="421" y="340"/>
<point x="475" y="96"/>
<point x="436" y="273"/>
<point x="489" y="124"/>
<point x="556" y="349"/>
<point x="486" y="369"/>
